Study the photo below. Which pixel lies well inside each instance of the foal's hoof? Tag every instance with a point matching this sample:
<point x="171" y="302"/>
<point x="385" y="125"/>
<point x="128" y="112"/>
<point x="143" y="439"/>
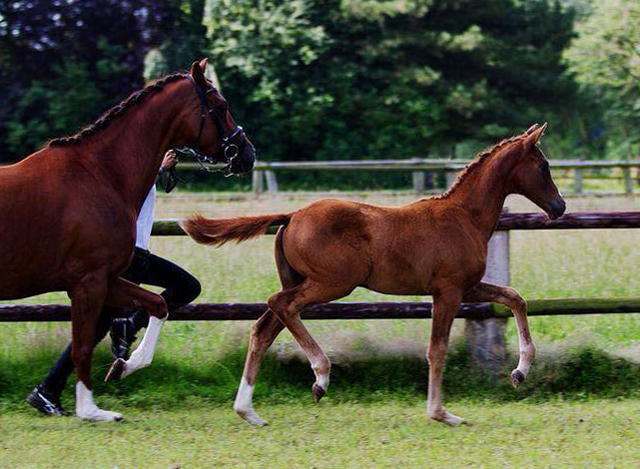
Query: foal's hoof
<point x="318" y="392"/>
<point x="448" y="418"/>
<point x="251" y="417"/>
<point x="517" y="377"/>
<point x="116" y="371"/>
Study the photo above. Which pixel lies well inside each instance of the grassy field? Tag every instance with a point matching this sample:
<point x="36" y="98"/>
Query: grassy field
<point x="179" y="409"/>
<point x="594" y="434"/>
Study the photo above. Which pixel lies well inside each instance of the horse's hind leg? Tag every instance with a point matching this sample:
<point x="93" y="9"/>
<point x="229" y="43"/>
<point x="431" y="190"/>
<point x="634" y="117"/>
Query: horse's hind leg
<point x="263" y="333"/>
<point x="86" y="305"/>
<point x="512" y="299"/>
<point x="288" y="304"/>
<point x="123" y="293"/>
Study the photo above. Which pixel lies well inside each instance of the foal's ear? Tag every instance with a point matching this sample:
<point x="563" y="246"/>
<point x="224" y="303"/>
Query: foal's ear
<point x="534" y="137"/>
<point x="197" y="72"/>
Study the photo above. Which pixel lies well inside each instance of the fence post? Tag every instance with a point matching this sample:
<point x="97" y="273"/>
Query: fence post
<point x="256" y="182"/>
<point x="485" y="337"/>
<point x="272" y="183"/>
<point x="628" y="181"/>
<point x="451" y="177"/>
<point x="419" y="185"/>
<point x="577" y="181"/>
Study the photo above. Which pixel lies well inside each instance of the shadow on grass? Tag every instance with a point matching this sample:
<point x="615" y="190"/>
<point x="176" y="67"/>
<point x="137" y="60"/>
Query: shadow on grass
<point x="575" y="374"/>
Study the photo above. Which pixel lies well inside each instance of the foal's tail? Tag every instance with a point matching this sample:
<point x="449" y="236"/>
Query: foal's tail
<point x="216" y="232"/>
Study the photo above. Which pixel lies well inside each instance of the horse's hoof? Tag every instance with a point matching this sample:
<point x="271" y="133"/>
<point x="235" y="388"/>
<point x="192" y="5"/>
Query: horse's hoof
<point x="318" y="392"/>
<point x="251" y="417"/>
<point x="448" y="418"/>
<point x="517" y="377"/>
<point x="116" y="371"/>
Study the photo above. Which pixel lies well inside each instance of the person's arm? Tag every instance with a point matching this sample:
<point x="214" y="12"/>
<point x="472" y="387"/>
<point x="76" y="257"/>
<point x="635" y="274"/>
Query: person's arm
<point x="169" y="162"/>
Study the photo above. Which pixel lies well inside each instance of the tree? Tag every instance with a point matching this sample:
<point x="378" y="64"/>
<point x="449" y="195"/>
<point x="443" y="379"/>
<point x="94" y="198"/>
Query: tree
<point x="345" y="79"/>
<point x="605" y="57"/>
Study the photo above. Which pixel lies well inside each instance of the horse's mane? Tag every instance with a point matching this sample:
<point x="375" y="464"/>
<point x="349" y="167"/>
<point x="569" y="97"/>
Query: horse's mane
<point x="118" y="110"/>
<point x="481" y="158"/>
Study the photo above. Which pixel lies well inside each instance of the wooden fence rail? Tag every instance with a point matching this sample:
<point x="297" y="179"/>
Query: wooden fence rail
<point x="382" y="310"/>
<point x="264" y="175"/>
<point x="507" y="222"/>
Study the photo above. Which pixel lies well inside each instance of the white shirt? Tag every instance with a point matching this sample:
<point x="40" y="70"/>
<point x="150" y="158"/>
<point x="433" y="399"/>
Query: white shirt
<point x="144" y="224"/>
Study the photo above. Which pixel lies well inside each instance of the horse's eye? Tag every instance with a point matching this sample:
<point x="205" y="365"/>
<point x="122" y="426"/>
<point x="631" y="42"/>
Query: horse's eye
<point x="544" y="166"/>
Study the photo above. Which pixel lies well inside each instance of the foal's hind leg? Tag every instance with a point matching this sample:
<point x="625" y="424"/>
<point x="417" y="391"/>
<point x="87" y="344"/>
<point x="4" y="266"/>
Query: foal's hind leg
<point x="445" y="308"/>
<point x="263" y="333"/>
<point x="512" y="299"/>
<point x="86" y="305"/>
<point x="288" y="303"/>
<point x="123" y="293"/>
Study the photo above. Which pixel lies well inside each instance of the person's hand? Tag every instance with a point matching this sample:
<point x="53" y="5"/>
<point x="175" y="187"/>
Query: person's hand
<point x="169" y="161"/>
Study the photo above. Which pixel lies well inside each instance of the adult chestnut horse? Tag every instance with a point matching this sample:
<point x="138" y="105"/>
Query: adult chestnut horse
<point x="69" y="210"/>
<point x="434" y="246"/>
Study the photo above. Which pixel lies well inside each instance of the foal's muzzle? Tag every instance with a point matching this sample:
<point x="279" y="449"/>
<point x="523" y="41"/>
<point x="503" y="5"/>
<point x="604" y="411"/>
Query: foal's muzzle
<point x="557" y="208"/>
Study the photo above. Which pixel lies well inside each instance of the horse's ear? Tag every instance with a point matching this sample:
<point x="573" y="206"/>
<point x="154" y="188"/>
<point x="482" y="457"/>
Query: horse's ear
<point x="534" y="135"/>
<point x="197" y="73"/>
<point x="532" y="128"/>
<point x="203" y="65"/>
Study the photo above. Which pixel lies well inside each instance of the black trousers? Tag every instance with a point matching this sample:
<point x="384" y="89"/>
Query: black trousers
<point x="180" y="287"/>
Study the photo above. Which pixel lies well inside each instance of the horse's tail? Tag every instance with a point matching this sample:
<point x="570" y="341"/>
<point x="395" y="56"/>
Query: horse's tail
<point x="216" y="232"/>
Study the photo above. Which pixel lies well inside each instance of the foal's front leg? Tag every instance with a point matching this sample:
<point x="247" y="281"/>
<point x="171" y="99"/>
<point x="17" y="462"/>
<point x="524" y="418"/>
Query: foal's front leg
<point x="511" y="298"/>
<point x="445" y="307"/>
<point x="123" y="293"/>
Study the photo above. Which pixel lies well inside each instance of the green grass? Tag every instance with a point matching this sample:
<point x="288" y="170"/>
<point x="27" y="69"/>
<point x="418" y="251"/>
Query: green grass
<point x="602" y="434"/>
<point x="179" y="409"/>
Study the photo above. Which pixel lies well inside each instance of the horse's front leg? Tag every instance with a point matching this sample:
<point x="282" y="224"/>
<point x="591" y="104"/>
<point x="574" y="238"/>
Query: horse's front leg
<point x="512" y="299"/>
<point x="87" y="299"/>
<point x="446" y="304"/>
<point x="123" y="293"/>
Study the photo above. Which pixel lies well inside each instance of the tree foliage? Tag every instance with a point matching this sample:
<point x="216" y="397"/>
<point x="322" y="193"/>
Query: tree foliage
<point x="346" y="79"/>
<point x="605" y="57"/>
<point x="334" y="79"/>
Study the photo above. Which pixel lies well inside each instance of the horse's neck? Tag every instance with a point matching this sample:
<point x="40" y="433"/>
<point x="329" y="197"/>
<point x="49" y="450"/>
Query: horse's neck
<point x="483" y="192"/>
<point x="130" y="150"/>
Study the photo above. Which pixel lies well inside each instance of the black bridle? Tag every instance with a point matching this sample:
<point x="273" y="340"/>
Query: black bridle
<point x="229" y="148"/>
<point x="222" y="161"/>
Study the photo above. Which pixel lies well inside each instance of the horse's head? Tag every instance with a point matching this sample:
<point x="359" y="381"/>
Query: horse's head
<point x="531" y="176"/>
<point x="212" y="130"/>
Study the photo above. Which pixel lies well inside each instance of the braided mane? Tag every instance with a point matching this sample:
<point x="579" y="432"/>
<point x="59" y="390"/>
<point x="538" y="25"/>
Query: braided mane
<point x="481" y="158"/>
<point x="116" y="111"/>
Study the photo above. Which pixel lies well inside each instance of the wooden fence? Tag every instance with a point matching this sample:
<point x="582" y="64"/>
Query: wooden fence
<point x="264" y="175"/>
<point x="485" y="322"/>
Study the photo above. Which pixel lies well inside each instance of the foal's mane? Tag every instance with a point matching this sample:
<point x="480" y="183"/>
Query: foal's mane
<point x="116" y="111"/>
<point x="481" y="158"/>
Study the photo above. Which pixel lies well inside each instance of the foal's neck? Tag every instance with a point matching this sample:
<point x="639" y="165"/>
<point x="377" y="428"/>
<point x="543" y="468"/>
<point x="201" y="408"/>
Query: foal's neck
<point x="483" y="191"/>
<point x="130" y="151"/>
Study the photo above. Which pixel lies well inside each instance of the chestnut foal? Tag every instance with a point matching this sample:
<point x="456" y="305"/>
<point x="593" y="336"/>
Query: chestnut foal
<point x="435" y="246"/>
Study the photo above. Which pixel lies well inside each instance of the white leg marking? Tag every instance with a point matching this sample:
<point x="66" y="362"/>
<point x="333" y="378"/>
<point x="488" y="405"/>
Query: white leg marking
<point x="86" y="408"/>
<point x="322" y="379"/>
<point x="143" y="355"/>
<point x="243" y="404"/>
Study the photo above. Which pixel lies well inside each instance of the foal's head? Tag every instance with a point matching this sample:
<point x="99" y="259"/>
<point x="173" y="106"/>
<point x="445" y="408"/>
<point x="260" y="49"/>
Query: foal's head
<point x="211" y="129"/>
<point x="531" y="176"/>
